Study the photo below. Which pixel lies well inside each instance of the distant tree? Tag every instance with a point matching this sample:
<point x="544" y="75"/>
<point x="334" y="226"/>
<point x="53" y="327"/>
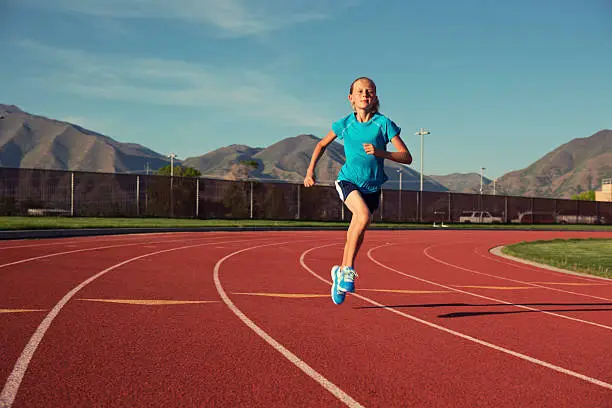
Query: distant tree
<point x="251" y="163"/>
<point x="242" y="170"/>
<point x="191" y="172"/>
<point x="179" y="171"/>
<point x="585" y="196"/>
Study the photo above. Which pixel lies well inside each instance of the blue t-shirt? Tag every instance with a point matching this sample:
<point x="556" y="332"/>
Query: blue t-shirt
<point x="364" y="170"/>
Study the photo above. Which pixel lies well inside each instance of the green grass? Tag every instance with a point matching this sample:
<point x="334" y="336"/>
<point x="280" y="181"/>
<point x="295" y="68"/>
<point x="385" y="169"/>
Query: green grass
<point x="22" y="223"/>
<point x="592" y="256"/>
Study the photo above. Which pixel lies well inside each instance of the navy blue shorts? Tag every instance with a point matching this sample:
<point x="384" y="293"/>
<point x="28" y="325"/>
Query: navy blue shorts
<point x="346" y="187"/>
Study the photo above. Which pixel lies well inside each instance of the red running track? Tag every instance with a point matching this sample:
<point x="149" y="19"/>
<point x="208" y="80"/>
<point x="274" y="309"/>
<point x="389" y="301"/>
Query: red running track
<point x="245" y="319"/>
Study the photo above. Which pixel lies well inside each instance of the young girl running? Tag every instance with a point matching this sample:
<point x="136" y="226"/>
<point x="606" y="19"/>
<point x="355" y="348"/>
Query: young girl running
<point x="366" y="133"/>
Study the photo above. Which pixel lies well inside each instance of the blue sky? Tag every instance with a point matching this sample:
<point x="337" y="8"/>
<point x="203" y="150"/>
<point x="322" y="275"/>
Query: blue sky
<point x="498" y="83"/>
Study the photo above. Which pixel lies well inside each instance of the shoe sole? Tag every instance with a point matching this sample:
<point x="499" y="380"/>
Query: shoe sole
<point x="334" y="289"/>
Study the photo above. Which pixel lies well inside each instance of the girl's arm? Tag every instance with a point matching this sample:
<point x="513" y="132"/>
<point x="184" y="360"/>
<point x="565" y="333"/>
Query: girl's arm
<point x="401" y="156"/>
<point x="309" y="180"/>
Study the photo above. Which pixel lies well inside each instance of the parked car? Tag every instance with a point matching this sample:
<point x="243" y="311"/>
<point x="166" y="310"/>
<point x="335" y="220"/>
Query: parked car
<point x="479" y="217"/>
<point x="531" y="217"/>
<point x="579" y="219"/>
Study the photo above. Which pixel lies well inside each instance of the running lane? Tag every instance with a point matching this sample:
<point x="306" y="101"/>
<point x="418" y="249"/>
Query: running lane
<point x="246" y="320"/>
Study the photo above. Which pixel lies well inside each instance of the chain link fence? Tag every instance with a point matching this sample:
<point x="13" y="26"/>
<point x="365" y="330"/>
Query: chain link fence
<point x="86" y="194"/>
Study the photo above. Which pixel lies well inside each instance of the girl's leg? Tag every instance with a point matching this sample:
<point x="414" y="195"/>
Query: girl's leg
<point x="357" y="228"/>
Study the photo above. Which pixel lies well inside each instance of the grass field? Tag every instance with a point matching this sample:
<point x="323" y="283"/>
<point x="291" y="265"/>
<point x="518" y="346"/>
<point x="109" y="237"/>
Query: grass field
<point x="23" y="223"/>
<point x="592" y="256"/>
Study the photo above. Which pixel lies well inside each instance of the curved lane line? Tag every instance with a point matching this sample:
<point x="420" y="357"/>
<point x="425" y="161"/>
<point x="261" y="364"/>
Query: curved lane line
<point x="80" y="240"/>
<point x="486" y="297"/>
<point x="9" y="392"/>
<point x="89" y="249"/>
<point x="546" y="270"/>
<point x="459" y="334"/>
<point x="311" y="372"/>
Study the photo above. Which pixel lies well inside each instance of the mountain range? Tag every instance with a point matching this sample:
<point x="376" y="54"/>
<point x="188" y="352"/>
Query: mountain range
<point x="32" y="141"/>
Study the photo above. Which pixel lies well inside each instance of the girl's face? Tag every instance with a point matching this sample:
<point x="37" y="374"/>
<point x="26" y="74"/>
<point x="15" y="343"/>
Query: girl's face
<point x="363" y="95"/>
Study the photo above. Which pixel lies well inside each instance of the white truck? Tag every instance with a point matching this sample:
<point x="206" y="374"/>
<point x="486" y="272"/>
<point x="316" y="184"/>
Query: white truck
<point x="579" y="219"/>
<point x="479" y="217"/>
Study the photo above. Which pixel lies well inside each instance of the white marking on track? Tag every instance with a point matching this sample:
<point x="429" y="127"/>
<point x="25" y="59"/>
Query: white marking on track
<point x="311" y="372"/>
<point x="456" y="333"/>
<point x="88" y="249"/>
<point x="11" y="387"/>
<point x="481" y="296"/>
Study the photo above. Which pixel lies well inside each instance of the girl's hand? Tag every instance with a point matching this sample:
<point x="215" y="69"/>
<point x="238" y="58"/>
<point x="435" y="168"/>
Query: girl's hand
<point x="369" y="148"/>
<point x="309" y="180"/>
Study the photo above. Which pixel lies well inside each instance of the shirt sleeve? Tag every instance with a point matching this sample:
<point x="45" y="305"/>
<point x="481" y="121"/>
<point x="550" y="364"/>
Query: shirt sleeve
<point x="392" y="130"/>
<point x="338" y="128"/>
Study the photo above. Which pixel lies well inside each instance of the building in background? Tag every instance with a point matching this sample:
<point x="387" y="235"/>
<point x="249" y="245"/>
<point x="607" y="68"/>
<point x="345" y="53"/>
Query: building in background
<point x="605" y="193"/>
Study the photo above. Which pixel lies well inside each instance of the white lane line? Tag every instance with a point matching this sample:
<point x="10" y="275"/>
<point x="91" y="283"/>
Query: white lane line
<point x="89" y="249"/>
<point x="459" y="334"/>
<point x="482" y="296"/>
<point x="9" y="392"/>
<point x="80" y="240"/>
<point x="540" y="270"/>
<point x="311" y="372"/>
<point x="475" y="294"/>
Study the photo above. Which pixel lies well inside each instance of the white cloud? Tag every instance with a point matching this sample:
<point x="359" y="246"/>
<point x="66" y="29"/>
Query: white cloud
<point x="242" y="92"/>
<point x="228" y="17"/>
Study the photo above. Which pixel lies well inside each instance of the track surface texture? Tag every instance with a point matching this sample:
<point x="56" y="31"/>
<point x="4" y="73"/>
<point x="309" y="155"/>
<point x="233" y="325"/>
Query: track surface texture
<point x="228" y="319"/>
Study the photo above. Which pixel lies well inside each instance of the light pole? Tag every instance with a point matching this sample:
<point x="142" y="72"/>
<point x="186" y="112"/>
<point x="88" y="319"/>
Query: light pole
<point x="421" y="133"/>
<point x="494" y="182"/>
<point x="482" y="169"/>
<point x="172" y="156"/>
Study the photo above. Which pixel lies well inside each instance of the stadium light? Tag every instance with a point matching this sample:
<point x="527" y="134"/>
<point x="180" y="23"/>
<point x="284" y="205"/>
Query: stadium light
<point x="172" y="156"/>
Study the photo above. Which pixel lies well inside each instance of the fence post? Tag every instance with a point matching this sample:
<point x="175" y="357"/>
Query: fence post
<point x="171" y="194"/>
<point x="138" y="196"/>
<point x="382" y="201"/>
<point x="72" y="194"/>
<point x="506" y="209"/>
<point x="399" y="211"/>
<point x="251" y="211"/>
<point x="450" y="197"/>
<point x="298" y="201"/>
<point x="197" y="198"/>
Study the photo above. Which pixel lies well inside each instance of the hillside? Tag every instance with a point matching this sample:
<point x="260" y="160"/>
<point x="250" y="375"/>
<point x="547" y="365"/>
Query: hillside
<point x="576" y="166"/>
<point x="288" y="160"/>
<point x="31" y="141"/>
<point x="464" y="183"/>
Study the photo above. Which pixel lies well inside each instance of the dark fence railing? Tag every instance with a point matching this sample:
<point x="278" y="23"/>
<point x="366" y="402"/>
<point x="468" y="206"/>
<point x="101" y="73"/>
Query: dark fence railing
<point x="85" y="194"/>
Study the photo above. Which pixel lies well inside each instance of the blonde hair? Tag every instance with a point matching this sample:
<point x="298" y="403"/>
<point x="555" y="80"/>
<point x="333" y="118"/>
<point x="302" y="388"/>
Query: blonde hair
<point x="376" y="106"/>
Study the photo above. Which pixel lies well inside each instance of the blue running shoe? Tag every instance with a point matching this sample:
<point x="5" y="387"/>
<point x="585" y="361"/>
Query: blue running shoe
<point x="336" y="294"/>
<point x="347" y="283"/>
